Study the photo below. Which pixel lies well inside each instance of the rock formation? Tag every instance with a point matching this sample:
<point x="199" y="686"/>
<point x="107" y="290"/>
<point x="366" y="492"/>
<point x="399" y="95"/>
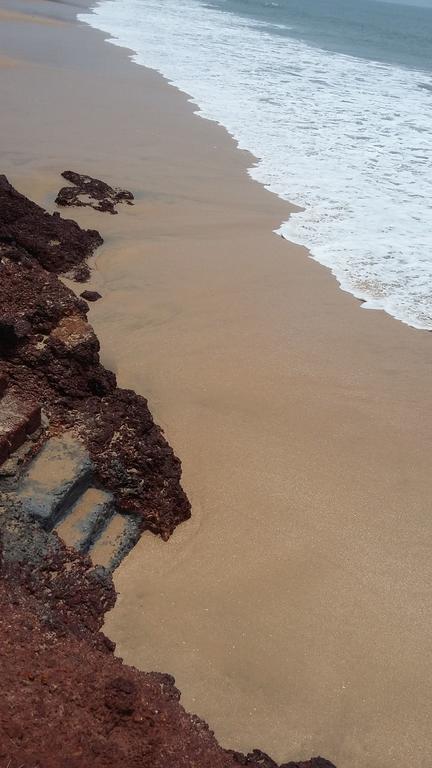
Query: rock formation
<point x="83" y="471"/>
<point x="58" y="245"/>
<point x="92" y="193"/>
<point x="90" y="295"/>
<point x="50" y="356"/>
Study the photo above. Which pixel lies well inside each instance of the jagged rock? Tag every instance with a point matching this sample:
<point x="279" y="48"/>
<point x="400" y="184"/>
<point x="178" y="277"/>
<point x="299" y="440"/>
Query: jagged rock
<point x="75" y="337"/>
<point x="57" y="363"/>
<point x="259" y="759"/>
<point x="18" y="419"/>
<point x="129" y="453"/>
<point x="12" y="330"/>
<point x="3" y="384"/>
<point x="4" y="449"/>
<point x="255" y="759"/>
<point x="38" y="562"/>
<point x="314" y="762"/>
<point x="90" y="295"/>
<point x="33" y="301"/>
<point x="93" y="193"/>
<point x="57" y="244"/>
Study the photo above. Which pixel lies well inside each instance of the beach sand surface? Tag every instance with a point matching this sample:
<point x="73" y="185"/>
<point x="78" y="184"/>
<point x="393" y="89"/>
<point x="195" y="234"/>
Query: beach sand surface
<point x="294" y="609"/>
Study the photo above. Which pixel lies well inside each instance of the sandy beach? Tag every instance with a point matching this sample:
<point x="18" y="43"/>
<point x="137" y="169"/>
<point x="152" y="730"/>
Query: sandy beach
<point x="294" y="608"/>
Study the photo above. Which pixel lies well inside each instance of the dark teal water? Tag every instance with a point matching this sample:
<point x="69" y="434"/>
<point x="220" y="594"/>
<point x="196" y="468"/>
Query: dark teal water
<point x="396" y="33"/>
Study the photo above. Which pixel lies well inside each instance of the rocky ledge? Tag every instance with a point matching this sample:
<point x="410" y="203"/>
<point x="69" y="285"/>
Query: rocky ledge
<point x="83" y="472"/>
<point x="49" y="354"/>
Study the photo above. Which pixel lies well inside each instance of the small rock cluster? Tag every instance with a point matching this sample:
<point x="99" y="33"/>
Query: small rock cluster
<point x="92" y="193"/>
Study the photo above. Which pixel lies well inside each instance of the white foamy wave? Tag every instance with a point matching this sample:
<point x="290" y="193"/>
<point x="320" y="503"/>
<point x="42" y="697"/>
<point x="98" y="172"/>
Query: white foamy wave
<point x="349" y="140"/>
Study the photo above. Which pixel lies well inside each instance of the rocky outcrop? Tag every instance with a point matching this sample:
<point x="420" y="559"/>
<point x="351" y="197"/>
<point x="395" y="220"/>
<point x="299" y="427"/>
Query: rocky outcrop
<point x="58" y="245"/>
<point x="18" y="419"/>
<point x="50" y="355"/>
<point x="259" y="759"/>
<point x="90" y="295"/>
<point x="84" y="472"/>
<point x="92" y="193"/>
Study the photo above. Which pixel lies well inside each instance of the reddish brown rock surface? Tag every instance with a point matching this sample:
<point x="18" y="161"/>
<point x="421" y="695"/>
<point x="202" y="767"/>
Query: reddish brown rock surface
<point x="65" y="700"/>
<point x="59" y="245"/>
<point x="18" y="419"/>
<point x="90" y="295"/>
<point x="94" y="193"/>
<point x="50" y="355"/>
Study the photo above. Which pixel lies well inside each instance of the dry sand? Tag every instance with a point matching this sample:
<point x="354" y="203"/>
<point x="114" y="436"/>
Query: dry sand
<point x="294" y="609"/>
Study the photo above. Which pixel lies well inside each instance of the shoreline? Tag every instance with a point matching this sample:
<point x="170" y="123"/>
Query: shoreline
<point x="363" y="284"/>
<point x="280" y="397"/>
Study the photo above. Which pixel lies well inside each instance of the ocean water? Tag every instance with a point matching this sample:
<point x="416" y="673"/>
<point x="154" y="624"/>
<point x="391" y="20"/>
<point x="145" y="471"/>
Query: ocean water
<point x="334" y="99"/>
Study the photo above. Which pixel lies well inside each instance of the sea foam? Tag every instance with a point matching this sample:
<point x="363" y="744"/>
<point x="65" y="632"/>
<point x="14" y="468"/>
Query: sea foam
<point x="347" y="139"/>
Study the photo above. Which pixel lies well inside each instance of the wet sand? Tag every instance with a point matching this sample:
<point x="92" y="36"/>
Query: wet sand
<point x="294" y="609"/>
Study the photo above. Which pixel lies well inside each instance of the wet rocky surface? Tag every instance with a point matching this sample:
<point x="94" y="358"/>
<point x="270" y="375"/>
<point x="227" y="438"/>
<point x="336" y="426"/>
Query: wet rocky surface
<point x="50" y="356"/>
<point x="83" y="472"/>
<point x="58" y="245"/>
<point x="94" y="193"/>
<point x="90" y="295"/>
<point x="259" y="759"/>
